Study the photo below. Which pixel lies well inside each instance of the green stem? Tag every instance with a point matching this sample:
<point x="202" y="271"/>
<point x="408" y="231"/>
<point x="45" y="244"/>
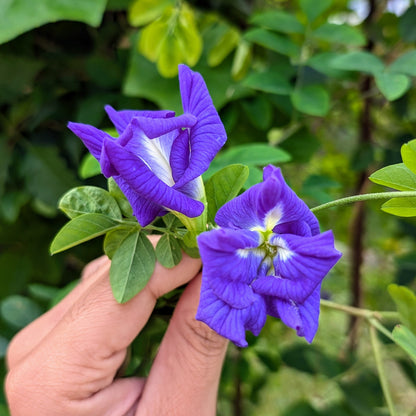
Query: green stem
<point x="363" y="313"/>
<point x="381" y="373"/>
<point x="364" y="197"/>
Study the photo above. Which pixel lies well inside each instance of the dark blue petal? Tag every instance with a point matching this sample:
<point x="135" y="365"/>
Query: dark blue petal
<point x="143" y="209"/>
<point x="92" y="138"/>
<point x="156" y="127"/>
<point x="303" y="317"/>
<point x="208" y="135"/>
<point x="122" y="118"/>
<point x="229" y="322"/>
<point x="144" y="182"/>
<point x="300" y="265"/>
<point x="230" y="253"/>
<point x="301" y="228"/>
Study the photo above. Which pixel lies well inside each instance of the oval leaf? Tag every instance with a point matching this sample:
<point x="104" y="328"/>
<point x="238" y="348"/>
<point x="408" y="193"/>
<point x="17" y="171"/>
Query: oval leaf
<point x="408" y="151"/>
<point x="132" y="266"/>
<point x="168" y="251"/>
<point x="343" y="34"/>
<point x="81" y="229"/>
<point x="224" y="186"/>
<point x="19" y="311"/>
<point x="392" y="85"/>
<point x="405" y="301"/>
<point x="311" y="99"/>
<point x="313" y="8"/>
<point x="401" y="207"/>
<point x="271" y="82"/>
<point x="114" y="238"/>
<point x="405" y="64"/>
<point x="358" y="61"/>
<point x="405" y="339"/>
<point x="397" y="176"/>
<point x="88" y="200"/>
<point x="279" y="21"/>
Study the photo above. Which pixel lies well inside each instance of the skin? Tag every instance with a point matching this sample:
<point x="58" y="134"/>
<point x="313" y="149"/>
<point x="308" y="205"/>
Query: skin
<point x="65" y="362"/>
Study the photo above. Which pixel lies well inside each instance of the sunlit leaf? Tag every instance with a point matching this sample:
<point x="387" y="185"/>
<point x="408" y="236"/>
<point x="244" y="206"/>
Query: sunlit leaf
<point x="132" y="266"/>
<point x="242" y="60"/>
<point x="402" y="207"/>
<point x="89" y="167"/>
<point x="405" y="301"/>
<point x="225" y="45"/>
<point x="408" y="151"/>
<point x="392" y="85"/>
<point x="406" y="339"/>
<point x="142" y="12"/>
<point x="311" y="99"/>
<point x="397" y="176"/>
<point x="224" y="186"/>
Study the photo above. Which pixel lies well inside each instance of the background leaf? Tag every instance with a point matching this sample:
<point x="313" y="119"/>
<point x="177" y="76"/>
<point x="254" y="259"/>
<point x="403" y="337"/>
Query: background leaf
<point x="313" y="9"/>
<point x="224" y="186"/>
<point x="132" y="266"/>
<point x="311" y="99"/>
<point x="405" y="64"/>
<point x="392" y="85"/>
<point x="405" y="301"/>
<point x="408" y="152"/>
<point x="19" y="311"/>
<point x="343" y="34"/>
<point x="358" y="61"/>
<point x="279" y="21"/>
<point x="19" y="16"/>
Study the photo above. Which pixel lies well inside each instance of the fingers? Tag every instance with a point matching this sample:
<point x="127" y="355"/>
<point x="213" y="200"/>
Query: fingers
<point x="188" y="366"/>
<point x="29" y="337"/>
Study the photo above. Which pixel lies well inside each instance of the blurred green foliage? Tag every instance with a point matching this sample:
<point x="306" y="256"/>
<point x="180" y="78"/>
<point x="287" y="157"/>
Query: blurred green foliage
<point x="325" y="89"/>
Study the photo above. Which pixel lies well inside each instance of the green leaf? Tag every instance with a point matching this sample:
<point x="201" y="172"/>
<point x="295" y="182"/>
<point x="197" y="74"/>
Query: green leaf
<point x="405" y="64"/>
<point x="269" y="81"/>
<point x="223" y="47"/>
<point x="224" y="186"/>
<point x="168" y="251"/>
<point x="192" y="252"/>
<point x="42" y="293"/>
<point x="273" y="41"/>
<point x="405" y="301"/>
<point x="81" y="229"/>
<point x="4" y="343"/>
<point x="343" y="34"/>
<point x="19" y="16"/>
<point x="132" y="266"/>
<point x="407" y="25"/>
<point x="46" y="174"/>
<point x="252" y="154"/>
<point x="322" y="62"/>
<point x="259" y="111"/>
<point x="242" y="60"/>
<point x="142" y="12"/>
<point x="402" y="207"/>
<point x="279" y="21"/>
<point x="113" y="239"/>
<point x="311" y="99"/>
<point x="89" y="167"/>
<point x="396" y="176"/>
<point x="313" y="8"/>
<point x="19" y="311"/>
<point x="392" y="85"/>
<point x="408" y="151"/>
<point x="121" y="199"/>
<point x="405" y="339"/>
<point x="358" y="61"/>
<point x="89" y="199"/>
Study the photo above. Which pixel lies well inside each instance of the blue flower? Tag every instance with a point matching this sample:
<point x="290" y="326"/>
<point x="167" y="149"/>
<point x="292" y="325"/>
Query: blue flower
<point x="267" y="257"/>
<point x="158" y="158"/>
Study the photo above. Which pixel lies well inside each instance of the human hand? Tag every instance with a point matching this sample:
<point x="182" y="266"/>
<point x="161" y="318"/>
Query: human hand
<point x="65" y="362"/>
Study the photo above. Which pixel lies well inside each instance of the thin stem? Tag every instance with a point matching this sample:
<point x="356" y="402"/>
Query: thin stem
<point x="364" y="197"/>
<point x="364" y="313"/>
<point x="381" y="373"/>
